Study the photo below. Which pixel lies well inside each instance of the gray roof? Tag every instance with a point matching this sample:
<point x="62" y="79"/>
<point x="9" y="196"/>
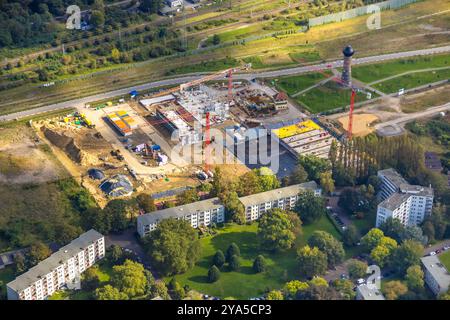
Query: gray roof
<point x="434" y="266"/>
<point x="393" y="176"/>
<point x="180" y="211"/>
<point x="280" y="193"/>
<point x="394" y="201"/>
<point x="416" y="190"/>
<point x="369" y="293"/>
<point x="48" y="265"/>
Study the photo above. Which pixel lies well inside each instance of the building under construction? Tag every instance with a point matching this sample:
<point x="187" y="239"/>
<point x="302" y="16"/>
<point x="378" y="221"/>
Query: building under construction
<point x="303" y="138"/>
<point x="122" y="122"/>
<point x="184" y="113"/>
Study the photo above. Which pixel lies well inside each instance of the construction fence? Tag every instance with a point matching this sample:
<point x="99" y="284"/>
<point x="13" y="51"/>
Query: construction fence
<point x="361" y="11"/>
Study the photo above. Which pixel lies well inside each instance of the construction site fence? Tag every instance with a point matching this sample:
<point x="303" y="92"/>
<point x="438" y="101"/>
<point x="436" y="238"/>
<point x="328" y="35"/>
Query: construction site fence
<point x="361" y="11"/>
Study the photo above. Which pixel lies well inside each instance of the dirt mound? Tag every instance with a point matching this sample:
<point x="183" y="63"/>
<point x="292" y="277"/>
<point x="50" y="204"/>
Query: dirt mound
<point x="69" y="145"/>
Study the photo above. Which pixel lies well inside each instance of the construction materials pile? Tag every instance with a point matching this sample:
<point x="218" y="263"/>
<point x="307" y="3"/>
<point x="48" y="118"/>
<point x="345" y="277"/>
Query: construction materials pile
<point x="122" y="122"/>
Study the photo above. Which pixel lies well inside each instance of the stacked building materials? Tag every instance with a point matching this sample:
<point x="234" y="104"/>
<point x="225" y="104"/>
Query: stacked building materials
<point x="122" y="122"/>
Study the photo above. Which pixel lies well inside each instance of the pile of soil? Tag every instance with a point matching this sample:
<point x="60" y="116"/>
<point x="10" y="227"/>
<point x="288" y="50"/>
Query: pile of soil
<point x="68" y="145"/>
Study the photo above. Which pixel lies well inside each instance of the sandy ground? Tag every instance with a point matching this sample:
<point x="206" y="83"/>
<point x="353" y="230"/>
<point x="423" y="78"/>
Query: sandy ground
<point x="23" y="159"/>
<point x="361" y="123"/>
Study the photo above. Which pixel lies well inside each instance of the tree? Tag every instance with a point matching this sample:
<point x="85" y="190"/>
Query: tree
<point x="150" y="6"/>
<point x="177" y="291"/>
<point x="292" y="287"/>
<point x="216" y="39"/>
<point x="406" y="255"/>
<point x="357" y="269"/>
<point x="213" y="274"/>
<point x="188" y="196"/>
<point x="314" y="166"/>
<point x="311" y="261"/>
<point x="119" y="212"/>
<point x="267" y="179"/>
<point x="314" y="292"/>
<point x="413" y="233"/>
<point x="159" y="289"/>
<point x="42" y="75"/>
<point x="382" y="252"/>
<point x="309" y="207"/>
<point x="115" y="254"/>
<point x="173" y="246"/>
<point x="115" y="55"/>
<point x="108" y="292"/>
<point x="90" y="280"/>
<point x="259" y="264"/>
<point x="233" y="207"/>
<point x="392" y="290"/>
<point x="299" y="175"/>
<point x="146" y="202"/>
<point x="19" y="263"/>
<point x="372" y="238"/>
<point x="326" y="182"/>
<point x="97" y="19"/>
<point x="392" y="228"/>
<point x="232" y="250"/>
<point x="129" y="278"/>
<point x="329" y="245"/>
<point x="235" y="263"/>
<point x="414" y="278"/>
<point x="344" y="288"/>
<point x="350" y="236"/>
<point x="219" y="259"/>
<point x="275" y="295"/>
<point x="318" y="281"/>
<point x="275" y="231"/>
<point x="37" y="252"/>
<point x="249" y="183"/>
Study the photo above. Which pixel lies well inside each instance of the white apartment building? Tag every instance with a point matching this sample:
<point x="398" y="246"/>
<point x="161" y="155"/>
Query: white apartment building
<point x="284" y="198"/>
<point x="408" y="203"/>
<point x="437" y="276"/>
<point x="58" y="270"/>
<point x="200" y="213"/>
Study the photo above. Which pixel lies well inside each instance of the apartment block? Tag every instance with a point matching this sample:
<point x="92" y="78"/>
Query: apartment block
<point x="408" y="203"/>
<point x="58" y="270"/>
<point x="201" y="213"/>
<point x="283" y="198"/>
<point x="365" y="292"/>
<point x="437" y="276"/>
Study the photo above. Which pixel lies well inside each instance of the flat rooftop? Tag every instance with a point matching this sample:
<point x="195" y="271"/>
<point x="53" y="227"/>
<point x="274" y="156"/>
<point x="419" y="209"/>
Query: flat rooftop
<point x="180" y="211"/>
<point x="295" y="129"/>
<point x="48" y="265"/>
<point x="435" y="267"/>
<point x="394" y="201"/>
<point x="285" y="192"/>
<point x="369" y="293"/>
<point x="393" y="176"/>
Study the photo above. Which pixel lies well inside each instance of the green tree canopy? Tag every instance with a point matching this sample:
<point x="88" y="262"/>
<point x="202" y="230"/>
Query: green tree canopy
<point x="108" y="292"/>
<point x="414" y="278"/>
<point x="311" y="261"/>
<point x="357" y="269"/>
<point x="130" y="278"/>
<point x="314" y="166"/>
<point x="213" y="274"/>
<point x="329" y="245"/>
<point x="276" y="230"/>
<point x="274" y="295"/>
<point x="259" y="264"/>
<point x="232" y="250"/>
<point x="173" y="246"/>
<point x="219" y="259"/>
<point x="406" y="255"/>
<point x="309" y="207"/>
<point x="235" y="263"/>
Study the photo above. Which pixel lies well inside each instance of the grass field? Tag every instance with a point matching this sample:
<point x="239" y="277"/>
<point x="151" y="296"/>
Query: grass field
<point x="294" y="84"/>
<point x="373" y="72"/>
<point x="445" y="259"/>
<point x="413" y="80"/>
<point x="245" y="283"/>
<point x="430" y="98"/>
<point x="328" y="97"/>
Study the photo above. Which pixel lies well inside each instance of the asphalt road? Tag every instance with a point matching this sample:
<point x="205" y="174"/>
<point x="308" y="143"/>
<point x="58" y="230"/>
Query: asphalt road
<point x="247" y="76"/>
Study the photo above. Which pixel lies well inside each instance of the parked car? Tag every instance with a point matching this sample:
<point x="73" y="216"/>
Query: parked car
<point x="361" y="281"/>
<point x="432" y="253"/>
<point x="438" y="251"/>
<point x="445" y="248"/>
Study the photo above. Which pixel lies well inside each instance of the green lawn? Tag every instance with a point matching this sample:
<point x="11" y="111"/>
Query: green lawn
<point x="6" y="276"/>
<point x="328" y="97"/>
<point x="413" y="80"/>
<point x="245" y="283"/>
<point x="294" y="84"/>
<point x="445" y="259"/>
<point x="213" y="65"/>
<point x="373" y="72"/>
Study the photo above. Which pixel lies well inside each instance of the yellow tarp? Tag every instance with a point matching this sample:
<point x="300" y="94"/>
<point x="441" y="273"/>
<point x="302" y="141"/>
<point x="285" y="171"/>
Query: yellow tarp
<point x="298" y="128"/>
